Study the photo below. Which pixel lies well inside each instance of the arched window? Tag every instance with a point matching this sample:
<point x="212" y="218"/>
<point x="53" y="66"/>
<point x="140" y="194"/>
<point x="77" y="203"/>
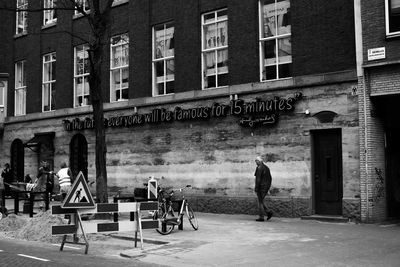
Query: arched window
<point x="78" y="155"/>
<point x="17" y="160"/>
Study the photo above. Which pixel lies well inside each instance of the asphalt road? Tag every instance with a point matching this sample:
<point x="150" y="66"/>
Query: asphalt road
<point x="18" y="253"/>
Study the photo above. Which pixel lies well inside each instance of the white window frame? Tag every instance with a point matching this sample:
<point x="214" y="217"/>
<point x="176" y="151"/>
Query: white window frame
<point x="119" y="68"/>
<point x="48" y="64"/>
<point x="387" y="21"/>
<point x="276" y="37"/>
<point x="214" y="49"/>
<point x="21" y="5"/>
<point x="85" y="5"/>
<point x="2" y="93"/>
<point x="163" y="59"/>
<point x="49" y="15"/>
<point x="84" y="75"/>
<point x="119" y="2"/>
<point x="20" y="89"/>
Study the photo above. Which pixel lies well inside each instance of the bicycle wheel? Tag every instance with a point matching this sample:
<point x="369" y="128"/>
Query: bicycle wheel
<point x="163" y="227"/>
<point x="192" y="218"/>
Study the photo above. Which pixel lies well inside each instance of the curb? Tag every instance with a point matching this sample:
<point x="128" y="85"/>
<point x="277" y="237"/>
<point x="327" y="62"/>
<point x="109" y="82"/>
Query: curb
<point x="129" y="238"/>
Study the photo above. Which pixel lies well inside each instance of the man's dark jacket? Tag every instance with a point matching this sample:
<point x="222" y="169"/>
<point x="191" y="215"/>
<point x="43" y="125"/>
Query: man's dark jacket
<point x="263" y="178"/>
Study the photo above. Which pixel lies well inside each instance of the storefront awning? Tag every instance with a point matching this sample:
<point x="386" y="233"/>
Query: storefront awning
<point x="40" y="138"/>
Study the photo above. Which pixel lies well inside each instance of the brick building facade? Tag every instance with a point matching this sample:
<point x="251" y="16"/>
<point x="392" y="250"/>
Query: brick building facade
<point x="379" y="94"/>
<point x="270" y="78"/>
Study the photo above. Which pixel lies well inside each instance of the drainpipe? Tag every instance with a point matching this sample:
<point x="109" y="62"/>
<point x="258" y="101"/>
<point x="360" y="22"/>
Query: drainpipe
<point x="361" y="72"/>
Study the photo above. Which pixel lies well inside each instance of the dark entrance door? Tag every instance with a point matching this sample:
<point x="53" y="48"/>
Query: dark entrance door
<point x="393" y="172"/>
<point x="17" y="160"/>
<point x="327" y="162"/>
<point x="78" y="161"/>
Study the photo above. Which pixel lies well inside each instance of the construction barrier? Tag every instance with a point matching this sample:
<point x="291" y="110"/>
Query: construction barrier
<point x="77" y="226"/>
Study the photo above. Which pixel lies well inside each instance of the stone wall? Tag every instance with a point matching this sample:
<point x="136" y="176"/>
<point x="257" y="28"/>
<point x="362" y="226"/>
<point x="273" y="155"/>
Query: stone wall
<point x="216" y="156"/>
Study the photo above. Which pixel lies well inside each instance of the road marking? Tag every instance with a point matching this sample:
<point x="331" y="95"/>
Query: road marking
<point x="1" y="250"/>
<point x="32" y="257"/>
<point x="66" y="246"/>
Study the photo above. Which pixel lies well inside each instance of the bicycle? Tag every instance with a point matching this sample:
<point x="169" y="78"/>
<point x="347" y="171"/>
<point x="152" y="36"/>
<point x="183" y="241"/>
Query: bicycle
<point x="166" y="215"/>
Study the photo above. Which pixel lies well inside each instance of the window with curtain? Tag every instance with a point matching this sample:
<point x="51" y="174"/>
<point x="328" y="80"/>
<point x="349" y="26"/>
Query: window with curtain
<point x="49" y="12"/>
<point x="119" y="67"/>
<point x="275" y="40"/>
<point x="81" y="76"/>
<point x="21" y="17"/>
<point x="163" y="59"/>
<point x="215" y="49"/>
<point x="20" y="88"/>
<point x="49" y="82"/>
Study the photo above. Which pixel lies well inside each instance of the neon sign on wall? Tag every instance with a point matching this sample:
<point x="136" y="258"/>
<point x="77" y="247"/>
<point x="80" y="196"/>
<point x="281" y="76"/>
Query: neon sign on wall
<point x="251" y="114"/>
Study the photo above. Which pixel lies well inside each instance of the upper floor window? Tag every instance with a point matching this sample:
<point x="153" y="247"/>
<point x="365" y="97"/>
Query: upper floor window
<point x="163" y="59"/>
<point x="2" y="93"/>
<point x="84" y="5"/>
<point x="215" y="49"/>
<point x="49" y="82"/>
<point x="81" y="76"/>
<point x="392" y="16"/>
<point x="119" y="67"/>
<point x="20" y="88"/>
<point x="275" y="40"/>
<point x="21" y="17"/>
<point x="49" y="12"/>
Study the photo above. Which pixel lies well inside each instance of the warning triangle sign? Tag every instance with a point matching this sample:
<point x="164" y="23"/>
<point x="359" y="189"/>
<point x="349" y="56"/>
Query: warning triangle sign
<point x="79" y="196"/>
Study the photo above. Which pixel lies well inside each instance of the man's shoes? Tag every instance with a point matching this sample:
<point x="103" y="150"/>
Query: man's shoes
<point x="260" y="219"/>
<point x="269" y="215"/>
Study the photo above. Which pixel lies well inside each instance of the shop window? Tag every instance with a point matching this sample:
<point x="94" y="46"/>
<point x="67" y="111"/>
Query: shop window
<point x="215" y="49"/>
<point x="392" y="17"/>
<point x="275" y="40"/>
<point x="49" y="82"/>
<point x="49" y="12"/>
<point x="20" y="88"/>
<point x="21" y="17"/>
<point x="81" y="76"/>
<point x="119" y="67"/>
<point x="81" y="5"/>
<point x="163" y="59"/>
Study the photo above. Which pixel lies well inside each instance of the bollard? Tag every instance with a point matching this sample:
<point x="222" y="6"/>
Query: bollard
<point x="31" y="199"/>
<point x="152" y="189"/>
<point x="16" y="202"/>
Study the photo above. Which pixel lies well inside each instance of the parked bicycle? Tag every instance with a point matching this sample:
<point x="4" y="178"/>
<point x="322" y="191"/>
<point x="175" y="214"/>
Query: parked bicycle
<point x="166" y="214"/>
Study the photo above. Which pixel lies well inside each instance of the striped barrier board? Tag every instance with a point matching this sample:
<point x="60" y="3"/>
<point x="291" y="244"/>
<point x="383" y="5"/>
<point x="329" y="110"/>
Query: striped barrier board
<point x="77" y="226"/>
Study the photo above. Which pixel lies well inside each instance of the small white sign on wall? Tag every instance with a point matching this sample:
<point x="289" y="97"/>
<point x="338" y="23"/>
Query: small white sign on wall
<point x="376" y="53"/>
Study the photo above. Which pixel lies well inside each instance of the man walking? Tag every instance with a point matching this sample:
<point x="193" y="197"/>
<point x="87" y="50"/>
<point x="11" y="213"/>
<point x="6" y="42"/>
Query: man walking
<point x="262" y="185"/>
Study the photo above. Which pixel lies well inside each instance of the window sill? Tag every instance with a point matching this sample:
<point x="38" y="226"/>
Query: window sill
<point x="119" y="100"/>
<point x="393" y="35"/>
<point x="276" y="80"/>
<point x="80" y="15"/>
<point x="163" y="95"/>
<point x="19" y="35"/>
<point x="49" y="25"/>
<point x="213" y="88"/>
<point x="119" y="2"/>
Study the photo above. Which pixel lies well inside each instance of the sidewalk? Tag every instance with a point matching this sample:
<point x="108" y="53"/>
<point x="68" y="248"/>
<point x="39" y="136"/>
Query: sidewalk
<point x="238" y="240"/>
